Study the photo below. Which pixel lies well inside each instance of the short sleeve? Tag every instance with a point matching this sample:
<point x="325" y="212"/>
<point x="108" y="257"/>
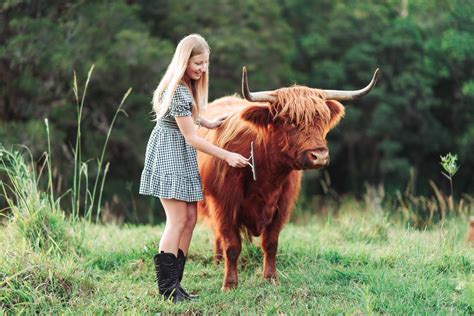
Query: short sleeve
<point x="181" y="103"/>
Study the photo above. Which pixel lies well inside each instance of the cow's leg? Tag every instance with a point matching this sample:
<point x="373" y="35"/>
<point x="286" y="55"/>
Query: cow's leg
<point x="231" y="246"/>
<point x="270" y="246"/>
<point x="223" y="211"/>
<point x="217" y="218"/>
<point x="218" y="253"/>
<point x="271" y="233"/>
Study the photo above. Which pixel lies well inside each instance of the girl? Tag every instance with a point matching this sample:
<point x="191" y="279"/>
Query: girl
<point x="171" y="170"/>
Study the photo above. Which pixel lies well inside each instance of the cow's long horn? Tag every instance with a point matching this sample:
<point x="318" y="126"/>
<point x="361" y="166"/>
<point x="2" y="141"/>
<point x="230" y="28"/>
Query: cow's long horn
<point x="350" y="95"/>
<point x="262" y="96"/>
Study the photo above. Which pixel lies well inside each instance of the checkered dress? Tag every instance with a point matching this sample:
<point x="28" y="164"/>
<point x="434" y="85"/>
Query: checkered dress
<point x="171" y="169"/>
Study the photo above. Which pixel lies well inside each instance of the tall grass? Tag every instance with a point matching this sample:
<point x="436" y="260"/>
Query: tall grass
<point x="37" y="214"/>
<point x="405" y="207"/>
<point x="422" y="212"/>
<point x="90" y="201"/>
<point x="417" y="210"/>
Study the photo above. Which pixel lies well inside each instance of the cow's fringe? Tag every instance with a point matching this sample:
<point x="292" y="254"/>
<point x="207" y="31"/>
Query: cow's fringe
<point x="301" y="106"/>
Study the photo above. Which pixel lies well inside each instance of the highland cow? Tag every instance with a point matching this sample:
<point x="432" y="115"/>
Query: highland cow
<point x="288" y="128"/>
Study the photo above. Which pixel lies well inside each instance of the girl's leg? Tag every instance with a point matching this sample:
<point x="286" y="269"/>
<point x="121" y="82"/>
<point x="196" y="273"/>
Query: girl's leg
<point x="176" y="221"/>
<point x="184" y="242"/>
<point x="187" y="233"/>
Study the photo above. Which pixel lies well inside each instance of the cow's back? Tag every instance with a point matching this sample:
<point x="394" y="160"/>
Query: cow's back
<point x="223" y="106"/>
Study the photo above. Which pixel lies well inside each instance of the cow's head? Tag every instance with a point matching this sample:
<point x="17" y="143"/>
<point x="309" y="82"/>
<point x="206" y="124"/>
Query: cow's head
<point x="299" y="119"/>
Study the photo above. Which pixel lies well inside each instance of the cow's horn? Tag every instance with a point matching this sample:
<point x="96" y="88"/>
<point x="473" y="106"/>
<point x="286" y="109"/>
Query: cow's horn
<point x="262" y="96"/>
<point x="350" y="95"/>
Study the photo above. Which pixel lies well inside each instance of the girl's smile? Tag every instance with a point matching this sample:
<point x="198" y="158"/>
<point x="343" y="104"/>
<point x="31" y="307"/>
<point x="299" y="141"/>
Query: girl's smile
<point x="197" y="66"/>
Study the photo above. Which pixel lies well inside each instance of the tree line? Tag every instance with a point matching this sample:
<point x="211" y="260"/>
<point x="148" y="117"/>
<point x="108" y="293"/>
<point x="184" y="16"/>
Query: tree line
<point x="421" y="108"/>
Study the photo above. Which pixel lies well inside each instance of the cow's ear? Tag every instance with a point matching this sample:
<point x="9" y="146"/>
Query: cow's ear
<point x="257" y="114"/>
<point x="337" y="112"/>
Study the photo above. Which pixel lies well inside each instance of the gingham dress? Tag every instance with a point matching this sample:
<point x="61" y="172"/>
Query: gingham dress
<point x="171" y="169"/>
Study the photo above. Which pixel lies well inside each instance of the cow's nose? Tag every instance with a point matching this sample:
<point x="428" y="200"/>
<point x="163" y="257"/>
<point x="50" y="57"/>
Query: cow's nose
<point x="320" y="156"/>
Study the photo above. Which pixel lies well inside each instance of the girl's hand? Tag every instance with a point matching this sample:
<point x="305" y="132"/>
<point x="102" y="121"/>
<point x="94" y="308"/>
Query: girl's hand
<point x="217" y="123"/>
<point x="236" y="160"/>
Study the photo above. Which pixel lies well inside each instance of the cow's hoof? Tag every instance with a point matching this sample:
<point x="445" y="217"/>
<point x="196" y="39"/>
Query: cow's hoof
<point x="273" y="280"/>
<point x="228" y="286"/>
<point x="273" y="277"/>
<point x="218" y="258"/>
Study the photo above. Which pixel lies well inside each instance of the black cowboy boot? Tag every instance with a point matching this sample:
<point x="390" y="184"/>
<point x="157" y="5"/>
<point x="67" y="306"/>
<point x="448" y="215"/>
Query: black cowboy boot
<point x="181" y="264"/>
<point x="166" y="265"/>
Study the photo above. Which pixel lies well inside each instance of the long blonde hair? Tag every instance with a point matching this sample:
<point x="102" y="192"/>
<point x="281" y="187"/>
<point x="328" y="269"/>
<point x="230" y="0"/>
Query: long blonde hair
<point x="188" y="47"/>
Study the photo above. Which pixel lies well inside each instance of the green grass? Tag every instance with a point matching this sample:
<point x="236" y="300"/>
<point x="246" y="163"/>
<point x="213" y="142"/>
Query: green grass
<point x="350" y="264"/>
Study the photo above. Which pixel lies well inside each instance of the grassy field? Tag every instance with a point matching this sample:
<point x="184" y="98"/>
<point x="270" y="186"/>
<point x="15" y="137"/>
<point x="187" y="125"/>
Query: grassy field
<point x="354" y="264"/>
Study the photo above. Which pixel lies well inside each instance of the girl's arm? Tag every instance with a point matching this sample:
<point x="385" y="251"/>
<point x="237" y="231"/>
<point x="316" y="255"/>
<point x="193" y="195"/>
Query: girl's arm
<point x="186" y="125"/>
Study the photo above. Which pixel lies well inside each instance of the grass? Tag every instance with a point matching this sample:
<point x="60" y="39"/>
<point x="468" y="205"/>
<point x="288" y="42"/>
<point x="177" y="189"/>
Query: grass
<point x="350" y="264"/>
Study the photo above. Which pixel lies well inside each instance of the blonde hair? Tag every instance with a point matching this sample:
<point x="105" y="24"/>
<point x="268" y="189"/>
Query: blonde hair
<point x="188" y="47"/>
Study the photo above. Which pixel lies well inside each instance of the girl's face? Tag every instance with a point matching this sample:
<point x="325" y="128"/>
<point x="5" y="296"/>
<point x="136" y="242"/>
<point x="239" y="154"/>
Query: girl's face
<point x="197" y="66"/>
